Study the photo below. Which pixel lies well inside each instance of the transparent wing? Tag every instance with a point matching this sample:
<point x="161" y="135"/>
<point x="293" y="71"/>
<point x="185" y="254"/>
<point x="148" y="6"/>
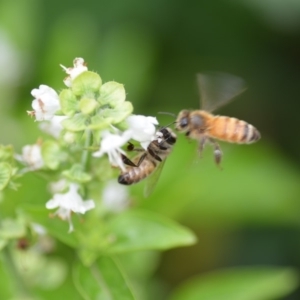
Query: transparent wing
<point x="152" y="180"/>
<point x="216" y="89"/>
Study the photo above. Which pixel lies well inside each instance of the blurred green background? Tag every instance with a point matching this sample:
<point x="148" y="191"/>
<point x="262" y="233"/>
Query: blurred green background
<point x="245" y="215"/>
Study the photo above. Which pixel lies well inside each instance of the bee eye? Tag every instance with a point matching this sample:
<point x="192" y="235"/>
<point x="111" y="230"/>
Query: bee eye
<point x="183" y="122"/>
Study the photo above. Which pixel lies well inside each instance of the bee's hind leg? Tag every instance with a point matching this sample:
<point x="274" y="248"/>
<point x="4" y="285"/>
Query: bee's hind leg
<point x="202" y="143"/>
<point x="129" y="162"/>
<point x="217" y="152"/>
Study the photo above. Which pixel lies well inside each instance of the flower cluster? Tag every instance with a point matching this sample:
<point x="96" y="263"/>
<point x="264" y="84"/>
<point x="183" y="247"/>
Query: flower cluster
<point x="87" y="110"/>
<point x="69" y="202"/>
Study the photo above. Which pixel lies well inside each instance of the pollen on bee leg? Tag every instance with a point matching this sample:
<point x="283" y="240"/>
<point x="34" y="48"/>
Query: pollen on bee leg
<point x="218" y="156"/>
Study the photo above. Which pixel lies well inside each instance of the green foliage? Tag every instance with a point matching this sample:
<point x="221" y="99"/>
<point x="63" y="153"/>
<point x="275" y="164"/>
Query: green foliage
<point x="77" y="174"/>
<point x="52" y="155"/>
<point x="5" y="174"/>
<point x="117" y="255"/>
<point x="7" y="169"/>
<point x="252" y="283"/>
<point x="103" y="280"/>
<point x="142" y="230"/>
<point x="12" y="229"/>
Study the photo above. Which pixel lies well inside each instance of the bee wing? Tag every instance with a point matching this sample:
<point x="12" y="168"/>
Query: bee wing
<point x="217" y="88"/>
<point x="152" y="180"/>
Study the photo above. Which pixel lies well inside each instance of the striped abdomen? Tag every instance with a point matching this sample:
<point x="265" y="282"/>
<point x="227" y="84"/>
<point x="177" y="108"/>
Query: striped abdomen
<point x="136" y="174"/>
<point x="233" y="130"/>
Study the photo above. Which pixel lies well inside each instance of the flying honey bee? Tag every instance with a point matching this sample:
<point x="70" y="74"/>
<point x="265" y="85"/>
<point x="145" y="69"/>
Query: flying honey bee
<point x="149" y="162"/>
<point x="216" y="89"/>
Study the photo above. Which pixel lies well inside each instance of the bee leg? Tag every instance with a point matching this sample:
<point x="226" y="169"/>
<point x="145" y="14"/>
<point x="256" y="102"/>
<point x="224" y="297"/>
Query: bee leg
<point x="127" y="161"/>
<point x="141" y="159"/>
<point x="217" y="152"/>
<point x="154" y="155"/>
<point x="130" y="147"/>
<point x="201" y="145"/>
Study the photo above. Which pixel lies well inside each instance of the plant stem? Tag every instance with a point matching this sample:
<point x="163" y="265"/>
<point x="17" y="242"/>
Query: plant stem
<point x="17" y="280"/>
<point x="85" y="152"/>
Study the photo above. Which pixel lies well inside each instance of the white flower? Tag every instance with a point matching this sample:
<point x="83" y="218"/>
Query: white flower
<point x="142" y="129"/>
<point x="111" y="144"/>
<point x="32" y="157"/>
<point x="53" y="126"/>
<point x="115" y="197"/>
<point x="79" y="67"/>
<point x="38" y="228"/>
<point x="69" y="202"/>
<point x="45" y="104"/>
<point x="57" y="186"/>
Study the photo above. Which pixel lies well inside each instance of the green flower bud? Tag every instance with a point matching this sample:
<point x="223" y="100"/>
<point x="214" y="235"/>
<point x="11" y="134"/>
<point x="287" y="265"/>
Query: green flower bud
<point x="87" y="83"/>
<point x="76" y="174"/>
<point x="51" y="154"/>
<point x="68" y="102"/>
<point x="112" y="93"/>
<point x="75" y="123"/>
<point x="70" y="137"/>
<point x="87" y="105"/>
<point x="118" y="114"/>
<point x="100" y="122"/>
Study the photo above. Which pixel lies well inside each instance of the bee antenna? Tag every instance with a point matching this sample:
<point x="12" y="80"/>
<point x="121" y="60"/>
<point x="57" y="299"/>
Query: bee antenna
<point x="167" y="113"/>
<point x="167" y="125"/>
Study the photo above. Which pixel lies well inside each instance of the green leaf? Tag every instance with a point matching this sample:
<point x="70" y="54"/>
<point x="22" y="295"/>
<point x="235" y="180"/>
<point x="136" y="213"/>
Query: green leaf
<point x="7" y="288"/>
<point x="87" y="83"/>
<point x="3" y="243"/>
<point x="253" y="283"/>
<point x="75" y="123"/>
<point x="5" y="174"/>
<point x="51" y="154"/>
<point x="103" y="280"/>
<point x="6" y="152"/>
<point x="68" y="102"/>
<point x="11" y="229"/>
<point x="140" y="264"/>
<point x="43" y="271"/>
<point x="87" y="105"/>
<point x="144" y="230"/>
<point x="54" y="226"/>
<point x="112" y="93"/>
<point x="77" y="174"/>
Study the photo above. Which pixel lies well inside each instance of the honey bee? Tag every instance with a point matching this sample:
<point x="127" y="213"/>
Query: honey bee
<point x="216" y="89"/>
<point x="150" y="161"/>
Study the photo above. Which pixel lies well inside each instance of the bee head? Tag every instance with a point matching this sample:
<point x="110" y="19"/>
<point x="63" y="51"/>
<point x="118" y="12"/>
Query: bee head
<point x="182" y="121"/>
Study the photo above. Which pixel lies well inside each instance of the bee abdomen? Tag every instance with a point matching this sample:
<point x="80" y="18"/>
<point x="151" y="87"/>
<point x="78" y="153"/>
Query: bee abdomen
<point x="251" y="134"/>
<point x="234" y="130"/>
<point x="136" y="174"/>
